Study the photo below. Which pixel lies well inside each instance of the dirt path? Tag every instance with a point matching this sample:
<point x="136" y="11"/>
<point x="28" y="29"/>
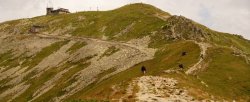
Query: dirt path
<point x="159" y="89"/>
<point x="130" y="44"/>
<point x="199" y="65"/>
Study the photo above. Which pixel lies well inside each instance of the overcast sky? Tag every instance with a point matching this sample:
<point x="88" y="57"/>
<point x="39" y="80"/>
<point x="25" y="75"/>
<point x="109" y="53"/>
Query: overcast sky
<point x="232" y="16"/>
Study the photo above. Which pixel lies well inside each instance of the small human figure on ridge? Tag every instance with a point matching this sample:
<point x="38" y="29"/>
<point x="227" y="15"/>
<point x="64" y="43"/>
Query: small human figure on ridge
<point x="181" y="66"/>
<point x="143" y="70"/>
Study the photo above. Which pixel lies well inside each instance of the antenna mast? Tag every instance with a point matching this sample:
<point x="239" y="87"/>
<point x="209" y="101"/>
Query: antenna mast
<point x="49" y="4"/>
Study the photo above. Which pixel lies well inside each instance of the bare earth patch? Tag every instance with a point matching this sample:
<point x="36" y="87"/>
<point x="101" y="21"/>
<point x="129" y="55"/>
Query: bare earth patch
<point x="158" y="89"/>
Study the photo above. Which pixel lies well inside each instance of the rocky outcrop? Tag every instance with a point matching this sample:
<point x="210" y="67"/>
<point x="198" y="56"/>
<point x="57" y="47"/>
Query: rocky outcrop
<point x="179" y="27"/>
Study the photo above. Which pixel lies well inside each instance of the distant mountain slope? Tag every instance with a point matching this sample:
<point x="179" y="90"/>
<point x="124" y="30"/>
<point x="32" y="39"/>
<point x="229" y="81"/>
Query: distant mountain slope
<point x="98" y="55"/>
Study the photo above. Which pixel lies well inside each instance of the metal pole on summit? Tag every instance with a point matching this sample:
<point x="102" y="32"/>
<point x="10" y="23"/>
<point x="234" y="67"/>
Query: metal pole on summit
<point x="49" y="3"/>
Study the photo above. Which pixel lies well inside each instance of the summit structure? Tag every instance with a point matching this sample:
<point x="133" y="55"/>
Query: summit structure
<point x="51" y="11"/>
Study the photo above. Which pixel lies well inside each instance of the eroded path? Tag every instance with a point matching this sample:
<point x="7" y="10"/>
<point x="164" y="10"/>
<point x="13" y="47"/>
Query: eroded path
<point x="200" y="64"/>
<point x="158" y="89"/>
<point x="137" y="44"/>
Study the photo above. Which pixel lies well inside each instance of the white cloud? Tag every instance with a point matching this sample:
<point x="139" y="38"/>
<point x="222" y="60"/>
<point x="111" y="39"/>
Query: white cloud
<point x="230" y="16"/>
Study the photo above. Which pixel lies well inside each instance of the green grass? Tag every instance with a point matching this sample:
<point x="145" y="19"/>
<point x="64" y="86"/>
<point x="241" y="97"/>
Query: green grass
<point x="227" y="75"/>
<point x="111" y="50"/>
<point x="76" y="46"/>
<point x="45" y="52"/>
<point x="7" y="60"/>
<point x="4" y="88"/>
<point x="5" y="56"/>
<point x="36" y="83"/>
<point x="106" y="72"/>
<point x="63" y="82"/>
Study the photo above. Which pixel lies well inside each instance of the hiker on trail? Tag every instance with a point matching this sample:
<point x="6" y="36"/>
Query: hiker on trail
<point x="184" y="54"/>
<point x="143" y="70"/>
<point x="181" y="66"/>
<point x="202" y="56"/>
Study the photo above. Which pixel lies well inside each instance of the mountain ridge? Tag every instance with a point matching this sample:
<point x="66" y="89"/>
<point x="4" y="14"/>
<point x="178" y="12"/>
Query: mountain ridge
<point x="97" y="55"/>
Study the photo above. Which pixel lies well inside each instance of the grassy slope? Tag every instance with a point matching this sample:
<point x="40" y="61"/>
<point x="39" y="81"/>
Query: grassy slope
<point x="31" y="62"/>
<point x="226" y="75"/>
<point x="75" y="47"/>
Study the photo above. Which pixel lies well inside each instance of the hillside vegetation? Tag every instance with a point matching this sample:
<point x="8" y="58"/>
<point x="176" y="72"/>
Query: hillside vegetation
<point x="98" y="55"/>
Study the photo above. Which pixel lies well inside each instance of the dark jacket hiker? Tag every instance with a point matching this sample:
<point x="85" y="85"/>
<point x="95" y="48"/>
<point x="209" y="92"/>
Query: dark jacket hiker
<point x="143" y="69"/>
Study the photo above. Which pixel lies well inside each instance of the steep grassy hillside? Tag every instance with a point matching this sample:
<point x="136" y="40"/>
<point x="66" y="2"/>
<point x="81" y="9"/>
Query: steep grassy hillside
<point x="98" y="55"/>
